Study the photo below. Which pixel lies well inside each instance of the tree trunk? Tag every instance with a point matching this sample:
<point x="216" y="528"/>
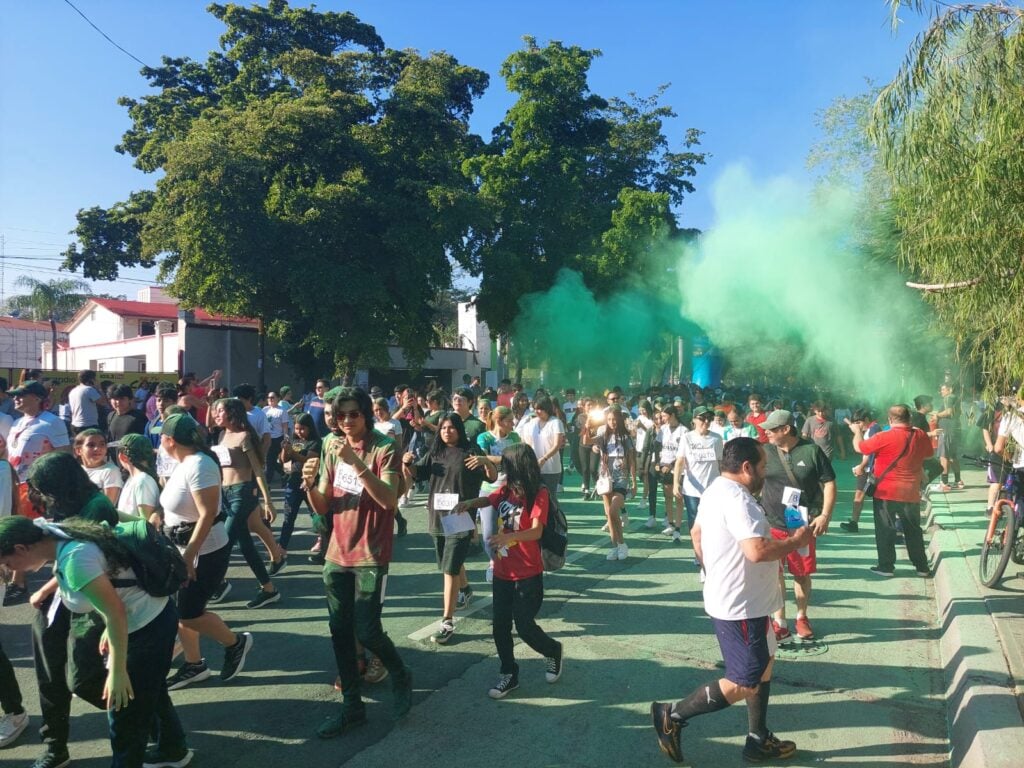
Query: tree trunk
<point x="261" y="377"/>
<point x="518" y="379"/>
<point x="53" y="342"/>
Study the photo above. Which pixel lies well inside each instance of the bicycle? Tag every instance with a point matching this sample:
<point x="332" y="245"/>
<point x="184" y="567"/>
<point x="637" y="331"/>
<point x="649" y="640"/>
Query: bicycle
<point x="1004" y="539"/>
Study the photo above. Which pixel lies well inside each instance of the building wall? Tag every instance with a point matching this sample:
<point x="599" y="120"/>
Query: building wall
<point x="22" y="347"/>
<point x="235" y="352"/>
<point x="100" y="325"/>
<point x="160" y="354"/>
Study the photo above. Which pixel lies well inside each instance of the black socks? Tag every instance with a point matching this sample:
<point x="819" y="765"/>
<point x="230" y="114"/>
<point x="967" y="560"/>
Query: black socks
<point x="708" y="698"/>
<point x="757" y="710"/>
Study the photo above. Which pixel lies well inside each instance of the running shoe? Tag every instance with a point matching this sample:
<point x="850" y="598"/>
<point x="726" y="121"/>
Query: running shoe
<point x="850" y="526"/>
<point x="782" y="634"/>
<point x="613" y="553"/>
<point x="880" y="571"/>
<point x="652" y="521"/>
<point x="11" y="727"/>
<point x="803" y="628"/>
<point x="220" y="593"/>
<point x="277" y="567"/>
<point x="505" y="684"/>
<point x="669" y="730"/>
<point x="669" y="529"/>
<point x="770" y="748"/>
<point x="188" y="674"/>
<point x="677" y="536"/>
<point x="157" y="758"/>
<point x="623" y="552"/>
<point x="234" y="657"/>
<point x="263" y="598"/>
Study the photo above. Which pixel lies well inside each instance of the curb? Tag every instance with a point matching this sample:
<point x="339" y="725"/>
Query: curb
<point x="985" y="725"/>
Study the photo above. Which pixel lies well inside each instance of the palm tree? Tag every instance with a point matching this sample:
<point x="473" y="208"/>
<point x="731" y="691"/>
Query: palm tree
<point x="53" y="300"/>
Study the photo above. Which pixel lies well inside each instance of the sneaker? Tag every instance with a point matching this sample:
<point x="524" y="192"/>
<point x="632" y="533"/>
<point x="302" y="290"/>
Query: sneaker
<point x="220" y="593"/>
<point x="505" y="684"/>
<point x="651" y="522"/>
<point x="770" y="748"/>
<point x="959" y="485"/>
<point x="188" y="674"/>
<point x="337" y="725"/>
<point x="668" y="729"/>
<point x="604" y="528"/>
<point x="880" y="571"/>
<point x="263" y="598"/>
<point x="156" y="758"/>
<point x="315" y="549"/>
<point x="623" y="552"/>
<point x="553" y="665"/>
<point x="782" y="634"/>
<point x="444" y="632"/>
<point x="15" y="594"/>
<point x="403" y="526"/>
<point x="926" y="574"/>
<point x="234" y="657"/>
<point x="489" y="574"/>
<point x="401" y="689"/>
<point x="625" y="518"/>
<point x="375" y="671"/>
<point x="613" y="553"/>
<point x="11" y="727"/>
<point x="669" y="529"/>
<point x="944" y="488"/>
<point x="677" y="536"/>
<point x="277" y="567"/>
<point x="402" y="504"/>
<point x="584" y="491"/>
<point x="464" y="599"/>
<point x="53" y="759"/>
<point x="850" y="527"/>
<point x="317" y="559"/>
<point x="803" y="628"/>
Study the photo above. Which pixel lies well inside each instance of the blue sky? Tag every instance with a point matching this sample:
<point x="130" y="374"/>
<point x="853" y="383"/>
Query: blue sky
<point x="750" y="74"/>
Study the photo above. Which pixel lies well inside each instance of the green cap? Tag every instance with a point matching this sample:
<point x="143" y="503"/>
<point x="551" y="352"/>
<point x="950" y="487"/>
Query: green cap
<point x="181" y="428"/>
<point x="138" y="449"/>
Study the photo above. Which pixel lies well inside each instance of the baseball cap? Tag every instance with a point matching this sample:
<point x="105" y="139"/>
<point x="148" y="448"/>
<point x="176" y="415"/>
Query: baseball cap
<point x="776" y="419"/>
<point x="30" y="388"/>
<point x="701" y="410"/>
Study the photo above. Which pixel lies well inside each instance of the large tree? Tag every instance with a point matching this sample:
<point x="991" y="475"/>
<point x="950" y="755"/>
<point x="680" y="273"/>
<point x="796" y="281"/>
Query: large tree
<point x="571" y="180"/>
<point x="950" y="127"/>
<point x="311" y="178"/>
<point x="54" y="301"/>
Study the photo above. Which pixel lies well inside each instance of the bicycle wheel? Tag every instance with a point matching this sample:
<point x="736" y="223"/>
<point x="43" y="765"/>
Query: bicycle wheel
<point x="998" y="546"/>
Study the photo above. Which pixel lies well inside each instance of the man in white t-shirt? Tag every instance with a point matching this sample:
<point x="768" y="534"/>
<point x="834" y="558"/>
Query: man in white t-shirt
<point x="247" y="394"/>
<point x="546" y="435"/>
<point x="280" y="423"/>
<point x="1011" y="425"/>
<point x="37" y="432"/>
<point x="733" y="540"/>
<point x="83" y="400"/>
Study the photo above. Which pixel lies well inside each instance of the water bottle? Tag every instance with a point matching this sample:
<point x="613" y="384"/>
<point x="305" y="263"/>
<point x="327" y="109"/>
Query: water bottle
<point x="795" y="521"/>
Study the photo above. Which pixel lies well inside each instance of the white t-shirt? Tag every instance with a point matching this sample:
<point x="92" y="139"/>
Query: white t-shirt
<point x="259" y="422"/>
<point x="6" y="488"/>
<point x="140" y="489"/>
<point x="79" y="563"/>
<point x="542" y="438"/>
<point x="82" y="400"/>
<point x="1012" y="425"/>
<point x="6" y="422"/>
<point x="644" y="432"/>
<point x="670" y="440"/>
<point x="734" y="587"/>
<point x="195" y="473"/>
<point x="279" y="421"/>
<point x="106" y="476"/>
<point x="702" y="454"/>
<point x="391" y="428"/>
<point x="32" y="437"/>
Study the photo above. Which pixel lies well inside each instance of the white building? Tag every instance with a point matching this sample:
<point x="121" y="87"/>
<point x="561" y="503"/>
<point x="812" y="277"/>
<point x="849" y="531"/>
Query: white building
<point x="21" y="342"/>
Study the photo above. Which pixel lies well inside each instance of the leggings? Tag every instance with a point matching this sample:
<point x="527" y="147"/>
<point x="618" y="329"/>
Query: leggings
<point x="239" y="502"/>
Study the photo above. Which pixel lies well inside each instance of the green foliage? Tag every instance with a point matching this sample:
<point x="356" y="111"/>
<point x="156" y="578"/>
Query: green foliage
<point x="570" y="180"/>
<point x="54" y="301"/>
<point x="950" y="127"/>
<point x="311" y="178"/>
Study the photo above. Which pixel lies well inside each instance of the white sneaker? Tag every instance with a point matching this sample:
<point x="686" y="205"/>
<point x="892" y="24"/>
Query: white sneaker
<point x="651" y="522"/>
<point x="625" y="517"/>
<point x="403" y="502"/>
<point x="490" y="574"/>
<point x="11" y="727"/>
<point x="623" y="552"/>
<point x="613" y="554"/>
<point x="669" y="530"/>
<point x="605" y="527"/>
<point x="676" y="536"/>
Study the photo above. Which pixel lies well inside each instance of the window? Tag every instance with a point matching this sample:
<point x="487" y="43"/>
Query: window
<point x="147" y="328"/>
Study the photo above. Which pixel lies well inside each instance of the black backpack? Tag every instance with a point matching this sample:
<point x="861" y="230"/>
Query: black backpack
<point x="554" y="540"/>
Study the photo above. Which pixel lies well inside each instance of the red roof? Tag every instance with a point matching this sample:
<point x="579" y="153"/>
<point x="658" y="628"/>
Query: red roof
<point x="164" y="311"/>
<point x="30" y="325"/>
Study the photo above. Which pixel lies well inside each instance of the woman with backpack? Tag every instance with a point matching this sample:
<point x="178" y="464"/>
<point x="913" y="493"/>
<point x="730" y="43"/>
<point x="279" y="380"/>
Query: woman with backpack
<point x="139" y="636"/>
<point x="192" y="520"/>
<point x="518" y="586"/>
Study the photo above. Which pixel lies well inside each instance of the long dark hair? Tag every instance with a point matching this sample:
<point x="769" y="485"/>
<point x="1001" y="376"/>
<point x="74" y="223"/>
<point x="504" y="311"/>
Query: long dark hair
<point x="64" y="488"/>
<point x="620" y="425"/>
<point x="439" y="446"/>
<point x="234" y="413"/>
<point x="519" y="464"/>
<point x="307" y="421"/>
<point x="15" y="530"/>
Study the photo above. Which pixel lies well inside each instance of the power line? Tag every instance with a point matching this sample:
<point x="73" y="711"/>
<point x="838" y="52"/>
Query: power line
<point x="129" y="53"/>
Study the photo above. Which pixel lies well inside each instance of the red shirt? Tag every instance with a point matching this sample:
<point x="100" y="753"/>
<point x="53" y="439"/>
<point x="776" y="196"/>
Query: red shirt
<point x="523" y="559"/>
<point x="903" y="482"/>
<point x="757" y="421"/>
<point x="505" y="398"/>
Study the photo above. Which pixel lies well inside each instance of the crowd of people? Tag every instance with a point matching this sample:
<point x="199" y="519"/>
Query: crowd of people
<point x="752" y="477"/>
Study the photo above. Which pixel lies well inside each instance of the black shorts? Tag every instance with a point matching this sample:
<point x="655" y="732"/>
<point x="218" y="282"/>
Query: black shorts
<point x="665" y="478"/>
<point x="210" y="572"/>
<point x="949" y="445"/>
<point x="451" y="552"/>
<point x="746" y="648"/>
<point x="862" y="480"/>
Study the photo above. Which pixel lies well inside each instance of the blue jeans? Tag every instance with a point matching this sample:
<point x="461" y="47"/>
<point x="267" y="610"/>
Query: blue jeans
<point x="151" y="711"/>
<point x="691" y="503"/>
<point x="293" y="498"/>
<point x="239" y="502"/>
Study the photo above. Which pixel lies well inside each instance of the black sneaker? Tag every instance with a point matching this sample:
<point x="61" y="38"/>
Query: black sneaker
<point x="276" y="568"/>
<point x="234" y="657"/>
<point x="263" y="598"/>
<point x="157" y="758"/>
<point x="444" y="632"/>
<point x="337" y="725"/>
<point x="188" y="674"/>
<point x="770" y="748"/>
<point x="403" y="526"/>
<point x="15" y="594"/>
<point x="553" y="665"/>
<point x="880" y="571"/>
<point x="850" y="527"/>
<point x="505" y="684"/>
<point x="53" y="759"/>
<point x="669" y="730"/>
<point x="221" y="592"/>
<point x="401" y="687"/>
